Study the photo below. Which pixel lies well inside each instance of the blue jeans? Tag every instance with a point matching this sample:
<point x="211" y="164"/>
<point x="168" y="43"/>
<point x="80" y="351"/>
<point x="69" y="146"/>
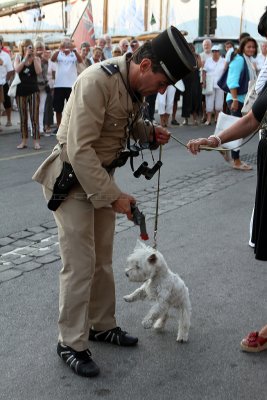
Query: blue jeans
<point x="237" y="113"/>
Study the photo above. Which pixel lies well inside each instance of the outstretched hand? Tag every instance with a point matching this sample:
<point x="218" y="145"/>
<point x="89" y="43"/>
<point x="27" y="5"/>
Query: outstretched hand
<point x="194" y="144"/>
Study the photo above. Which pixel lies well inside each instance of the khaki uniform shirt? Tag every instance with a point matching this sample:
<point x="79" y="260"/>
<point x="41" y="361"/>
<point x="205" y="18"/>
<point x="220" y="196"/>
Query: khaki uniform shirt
<point x="93" y="132"/>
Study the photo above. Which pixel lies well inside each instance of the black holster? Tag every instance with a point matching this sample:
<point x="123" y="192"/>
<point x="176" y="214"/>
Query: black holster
<point x="64" y="183"/>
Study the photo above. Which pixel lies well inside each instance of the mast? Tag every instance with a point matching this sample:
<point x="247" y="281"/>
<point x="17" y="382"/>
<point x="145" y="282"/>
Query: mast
<point x="167" y="13"/>
<point x="242" y="16"/>
<point x="160" y="20"/>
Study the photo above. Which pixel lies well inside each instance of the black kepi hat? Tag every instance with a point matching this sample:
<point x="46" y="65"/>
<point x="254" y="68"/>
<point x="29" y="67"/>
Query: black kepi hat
<point x="174" y="54"/>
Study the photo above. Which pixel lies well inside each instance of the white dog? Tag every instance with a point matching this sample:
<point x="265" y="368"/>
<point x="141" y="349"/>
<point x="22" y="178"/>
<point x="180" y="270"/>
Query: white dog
<point x="147" y="265"/>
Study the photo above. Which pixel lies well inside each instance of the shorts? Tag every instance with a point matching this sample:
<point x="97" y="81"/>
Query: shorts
<point x="60" y="95"/>
<point x="7" y="101"/>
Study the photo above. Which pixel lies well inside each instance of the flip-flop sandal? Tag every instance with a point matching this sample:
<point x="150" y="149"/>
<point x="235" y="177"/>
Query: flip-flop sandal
<point x="21" y="146"/>
<point x="254" y="343"/>
<point x="242" y="167"/>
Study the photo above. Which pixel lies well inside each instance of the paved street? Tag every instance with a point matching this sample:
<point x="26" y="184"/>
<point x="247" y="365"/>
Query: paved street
<point x="205" y="208"/>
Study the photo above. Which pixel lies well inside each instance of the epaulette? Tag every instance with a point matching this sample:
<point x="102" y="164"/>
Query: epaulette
<point x="110" y="69"/>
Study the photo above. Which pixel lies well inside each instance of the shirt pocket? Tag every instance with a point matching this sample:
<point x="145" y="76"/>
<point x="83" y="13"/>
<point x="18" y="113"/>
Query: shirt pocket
<point x="113" y="124"/>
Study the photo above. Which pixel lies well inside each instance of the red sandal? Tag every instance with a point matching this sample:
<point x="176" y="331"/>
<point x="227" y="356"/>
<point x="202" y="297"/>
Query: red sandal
<point x="254" y="343"/>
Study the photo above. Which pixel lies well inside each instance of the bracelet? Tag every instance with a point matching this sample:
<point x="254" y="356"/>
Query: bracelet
<point x="218" y="139"/>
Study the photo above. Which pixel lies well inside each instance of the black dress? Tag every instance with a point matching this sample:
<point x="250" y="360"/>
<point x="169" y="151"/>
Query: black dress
<point x="259" y="231"/>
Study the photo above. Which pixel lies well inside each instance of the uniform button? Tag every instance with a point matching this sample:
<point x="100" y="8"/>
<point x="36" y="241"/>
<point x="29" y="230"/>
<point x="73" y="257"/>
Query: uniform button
<point x="115" y="124"/>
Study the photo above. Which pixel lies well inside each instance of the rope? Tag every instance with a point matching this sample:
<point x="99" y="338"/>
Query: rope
<point x="157" y="204"/>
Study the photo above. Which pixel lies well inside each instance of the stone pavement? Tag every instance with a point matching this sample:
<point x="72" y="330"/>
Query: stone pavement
<point x="34" y="247"/>
<point x="15" y="127"/>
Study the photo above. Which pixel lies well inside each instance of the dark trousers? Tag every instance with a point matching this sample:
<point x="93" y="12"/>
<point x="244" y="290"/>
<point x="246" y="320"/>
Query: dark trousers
<point x="235" y="153"/>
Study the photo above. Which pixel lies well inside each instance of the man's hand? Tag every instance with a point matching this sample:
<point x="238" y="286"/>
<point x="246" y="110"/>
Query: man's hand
<point x="162" y="135"/>
<point x="123" y="204"/>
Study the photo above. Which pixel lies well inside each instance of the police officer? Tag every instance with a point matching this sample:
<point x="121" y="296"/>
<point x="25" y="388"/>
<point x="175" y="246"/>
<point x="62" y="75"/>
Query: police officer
<point x="104" y="108"/>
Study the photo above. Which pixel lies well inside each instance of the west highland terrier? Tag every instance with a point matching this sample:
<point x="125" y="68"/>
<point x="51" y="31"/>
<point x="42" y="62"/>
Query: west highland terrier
<point x="148" y="265"/>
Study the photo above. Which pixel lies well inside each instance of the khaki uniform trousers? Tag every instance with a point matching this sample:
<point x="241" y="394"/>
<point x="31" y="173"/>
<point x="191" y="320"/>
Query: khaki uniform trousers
<point x="87" y="290"/>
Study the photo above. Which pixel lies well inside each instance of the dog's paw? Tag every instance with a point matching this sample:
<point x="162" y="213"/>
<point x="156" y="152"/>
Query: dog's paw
<point x="158" y="325"/>
<point x="128" y="298"/>
<point x="147" y="323"/>
<point x="182" y="339"/>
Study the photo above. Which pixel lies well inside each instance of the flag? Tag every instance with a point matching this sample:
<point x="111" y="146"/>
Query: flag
<point x="84" y="31"/>
<point x="153" y="20"/>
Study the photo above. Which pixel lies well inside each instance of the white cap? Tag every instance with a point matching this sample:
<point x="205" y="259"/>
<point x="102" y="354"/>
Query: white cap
<point x="215" y="48"/>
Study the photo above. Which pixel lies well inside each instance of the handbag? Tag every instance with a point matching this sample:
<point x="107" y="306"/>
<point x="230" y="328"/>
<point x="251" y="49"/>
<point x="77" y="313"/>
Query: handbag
<point x="47" y="88"/>
<point x="250" y="97"/>
<point x="224" y="121"/>
<point x="12" y="91"/>
<point x="209" y="84"/>
<point x="243" y="80"/>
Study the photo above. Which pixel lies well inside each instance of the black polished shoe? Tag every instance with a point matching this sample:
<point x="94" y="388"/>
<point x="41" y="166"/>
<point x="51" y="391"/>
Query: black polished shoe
<point x="79" y="361"/>
<point x="114" y="336"/>
<point x="174" y="122"/>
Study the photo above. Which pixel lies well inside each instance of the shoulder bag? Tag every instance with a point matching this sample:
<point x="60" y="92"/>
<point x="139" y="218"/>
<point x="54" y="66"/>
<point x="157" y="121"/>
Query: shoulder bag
<point x="12" y="91"/>
<point x="243" y="80"/>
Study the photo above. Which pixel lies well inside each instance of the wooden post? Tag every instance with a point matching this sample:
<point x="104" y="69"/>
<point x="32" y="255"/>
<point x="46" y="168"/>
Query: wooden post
<point x="105" y="16"/>
<point x="146" y="16"/>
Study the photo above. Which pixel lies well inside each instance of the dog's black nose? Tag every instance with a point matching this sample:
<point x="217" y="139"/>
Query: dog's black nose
<point x="126" y="273"/>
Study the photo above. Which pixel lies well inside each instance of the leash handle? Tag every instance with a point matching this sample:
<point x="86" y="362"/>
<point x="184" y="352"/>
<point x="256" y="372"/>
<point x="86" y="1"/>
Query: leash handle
<point x="140" y="220"/>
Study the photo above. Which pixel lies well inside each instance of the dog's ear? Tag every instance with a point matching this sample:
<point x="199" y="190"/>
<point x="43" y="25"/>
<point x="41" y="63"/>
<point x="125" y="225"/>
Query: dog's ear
<point x="139" y="245"/>
<point x="152" y="259"/>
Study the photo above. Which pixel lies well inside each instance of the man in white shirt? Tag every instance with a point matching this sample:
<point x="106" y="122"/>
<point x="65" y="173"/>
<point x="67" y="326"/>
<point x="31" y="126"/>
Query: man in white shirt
<point x="207" y="45"/>
<point x="108" y="47"/>
<point x="260" y="59"/>
<point x="66" y="59"/>
<point x="6" y="72"/>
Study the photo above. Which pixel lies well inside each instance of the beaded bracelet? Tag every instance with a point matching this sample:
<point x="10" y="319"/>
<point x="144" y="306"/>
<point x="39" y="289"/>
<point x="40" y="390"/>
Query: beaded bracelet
<point x="219" y="142"/>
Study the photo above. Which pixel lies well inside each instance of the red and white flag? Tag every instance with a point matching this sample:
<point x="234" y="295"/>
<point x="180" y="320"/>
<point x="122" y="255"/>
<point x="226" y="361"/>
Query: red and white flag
<point x="84" y="31"/>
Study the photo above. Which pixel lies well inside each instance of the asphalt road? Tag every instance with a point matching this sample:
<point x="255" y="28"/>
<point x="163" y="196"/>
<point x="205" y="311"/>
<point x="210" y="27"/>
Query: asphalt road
<point x="204" y="240"/>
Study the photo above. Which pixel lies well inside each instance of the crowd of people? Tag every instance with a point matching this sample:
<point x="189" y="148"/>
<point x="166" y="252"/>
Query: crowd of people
<point x="46" y="78"/>
<point x="43" y="93"/>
